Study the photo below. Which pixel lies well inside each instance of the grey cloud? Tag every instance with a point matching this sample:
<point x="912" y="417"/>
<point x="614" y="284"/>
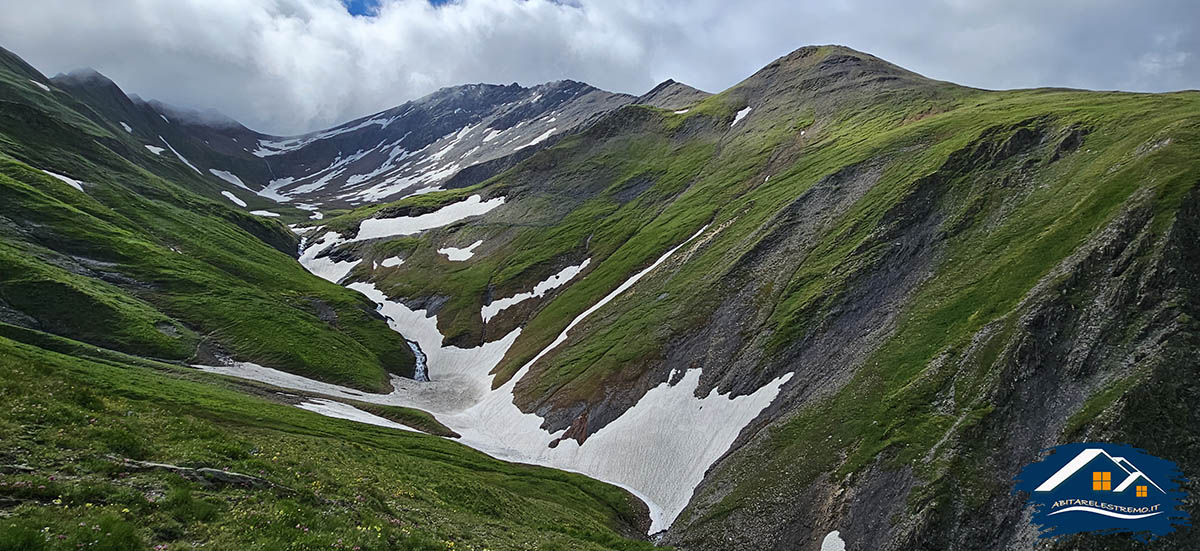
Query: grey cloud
<point x="288" y="66"/>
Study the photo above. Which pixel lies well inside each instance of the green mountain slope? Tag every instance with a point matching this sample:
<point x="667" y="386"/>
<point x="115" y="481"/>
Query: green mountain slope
<point x="944" y="280"/>
<point x="106" y="451"/>
<point x="958" y="278"/>
<point x="122" y="268"/>
<point x="143" y="265"/>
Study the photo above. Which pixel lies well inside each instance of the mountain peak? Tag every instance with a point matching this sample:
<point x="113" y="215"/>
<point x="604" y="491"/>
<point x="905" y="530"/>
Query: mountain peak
<point x="84" y="77"/>
<point x="670" y="94"/>
<point x="834" y="76"/>
<point x="833" y="60"/>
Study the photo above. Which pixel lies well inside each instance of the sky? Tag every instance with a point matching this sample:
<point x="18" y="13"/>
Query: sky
<point x="292" y="66"/>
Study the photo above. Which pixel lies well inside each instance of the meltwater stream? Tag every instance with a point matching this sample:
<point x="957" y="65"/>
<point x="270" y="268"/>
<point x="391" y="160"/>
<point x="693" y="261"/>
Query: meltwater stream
<point x="421" y="370"/>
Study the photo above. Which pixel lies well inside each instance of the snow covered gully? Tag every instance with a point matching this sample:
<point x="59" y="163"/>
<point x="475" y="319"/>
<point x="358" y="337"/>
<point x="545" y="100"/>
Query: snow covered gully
<point x="659" y="449"/>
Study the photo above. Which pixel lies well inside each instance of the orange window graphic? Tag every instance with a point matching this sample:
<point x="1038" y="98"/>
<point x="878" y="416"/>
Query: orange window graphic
<point x="1141" y="491"/>
<point x="1101" y="480"/>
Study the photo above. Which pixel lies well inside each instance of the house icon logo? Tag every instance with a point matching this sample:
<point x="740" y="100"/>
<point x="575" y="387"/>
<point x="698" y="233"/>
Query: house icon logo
<point x="1095" y="487"/>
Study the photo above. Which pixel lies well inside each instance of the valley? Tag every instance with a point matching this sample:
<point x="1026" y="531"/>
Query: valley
<point x="837" y="304"/>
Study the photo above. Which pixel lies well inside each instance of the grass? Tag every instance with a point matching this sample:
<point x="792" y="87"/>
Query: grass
<point x="1006" y="214"/>
<point x="888" y="407"/>
<point x="145" y="255"/>
<point x="339" y="484"/>
<point x="979" y="176"/>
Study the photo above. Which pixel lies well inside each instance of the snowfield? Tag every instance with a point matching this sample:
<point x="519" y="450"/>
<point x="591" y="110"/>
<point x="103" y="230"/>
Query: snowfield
<point x="374" y="228"/>
<point x="546" y="135"/>
<point x="455" y="254"/>
<point x="659" y="449"/>
<point x="230" y="177"/>
<point x="234" y="198"/>
<point x="324" y="267"/>
<point x="185" y="161"/>
<point x="332" y="408"/>
<point x="739" y="116"/>
<point x="67" y="180"/>
<point x="833" y="542"/>
<point x="489" y="311"/>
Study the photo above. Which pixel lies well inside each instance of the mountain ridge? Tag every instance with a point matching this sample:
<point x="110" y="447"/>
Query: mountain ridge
<point x="837" y="296"/>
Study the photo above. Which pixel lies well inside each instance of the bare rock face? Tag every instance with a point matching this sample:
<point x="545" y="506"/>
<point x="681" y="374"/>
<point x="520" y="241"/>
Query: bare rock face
<point x="420" y="144"/>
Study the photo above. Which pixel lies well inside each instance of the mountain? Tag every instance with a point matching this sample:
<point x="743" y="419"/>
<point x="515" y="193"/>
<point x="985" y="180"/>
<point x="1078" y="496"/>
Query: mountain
<point x="416" y="146"/>
<point x="912" y="286"/>
<point x="836" y="297"/>
<point x="671" y="95"/>
<point x="120" y="267"/>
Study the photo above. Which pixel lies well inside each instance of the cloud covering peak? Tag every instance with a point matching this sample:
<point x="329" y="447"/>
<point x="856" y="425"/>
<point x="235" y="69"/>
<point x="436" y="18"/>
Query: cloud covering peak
<point x="290" y="66"/>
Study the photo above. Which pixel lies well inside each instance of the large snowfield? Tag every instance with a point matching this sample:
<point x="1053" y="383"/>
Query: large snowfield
<point x="659" y="449"/>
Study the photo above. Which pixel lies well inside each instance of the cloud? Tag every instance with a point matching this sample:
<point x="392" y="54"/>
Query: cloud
<point x="287" y="66"/>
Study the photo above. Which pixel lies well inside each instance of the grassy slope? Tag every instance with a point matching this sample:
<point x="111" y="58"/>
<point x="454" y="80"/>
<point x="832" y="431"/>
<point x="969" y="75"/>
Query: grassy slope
<point x="991" y="260"/>
<point x="348" y="485"/>
<point x="726" y="183"/>
<point x="889" y="404"/>
<point x="155" y="253"/>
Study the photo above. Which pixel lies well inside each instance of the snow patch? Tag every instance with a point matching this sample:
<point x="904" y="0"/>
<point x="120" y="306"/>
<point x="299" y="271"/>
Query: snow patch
<point x="155" y="149"/>
<point x="265" y="213"/>
<point x="682" y="111"/>
<point x="492" y="135"/>
<point x="267" y="148"/>
<point x="126" y="127"/>
<point x="324" y="267"/>
<point x="272" y="190"/>
<point x="739" y="116"/>
<point x="391" y="262"/>
<point x="489" y="311"/>
<point x="669" y="428"/>
<point x="833" y="542"/>
<point x="335" y="169"/>
<point x="458" y="255"/>
<point x="69" y="181"/>
<point x="164" y="118"/>
<point x="374" y="228"/>
<point x="40" y="85"/>
<point x="185" y="161"/>
<point x="233" y="198"/>
<point x="331" y="408"/>
<point x="317" y="216"/>
<point x="230" y="177"/>
<point x="538" y="139"/>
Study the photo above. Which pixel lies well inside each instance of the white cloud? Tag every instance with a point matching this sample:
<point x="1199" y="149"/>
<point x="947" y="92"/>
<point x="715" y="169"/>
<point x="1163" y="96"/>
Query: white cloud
<point x="286" y="66"/>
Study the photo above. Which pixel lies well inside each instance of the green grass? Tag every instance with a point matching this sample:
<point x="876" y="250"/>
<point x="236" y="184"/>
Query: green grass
<point x="135" y="252"/>
<point x="338" y="482"/>
<point x="1002" y="215"/>
<point x="1004" y="221"/>
<point x="888" y="407"/>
